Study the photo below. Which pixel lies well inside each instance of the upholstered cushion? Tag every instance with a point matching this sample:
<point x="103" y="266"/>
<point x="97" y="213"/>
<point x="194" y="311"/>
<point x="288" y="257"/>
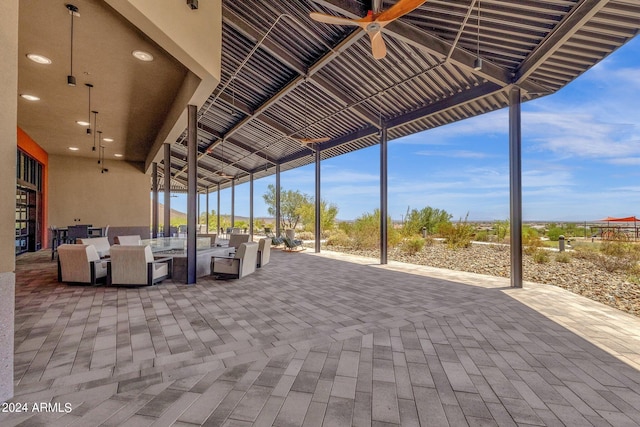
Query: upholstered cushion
<point x="129" y="264"/>
<point x="75" y="263"/>
<point x="264" y="251"/>
<point x="235" y="240"/>
<point x="128" y="240"/>
<point x="101" y="244"/>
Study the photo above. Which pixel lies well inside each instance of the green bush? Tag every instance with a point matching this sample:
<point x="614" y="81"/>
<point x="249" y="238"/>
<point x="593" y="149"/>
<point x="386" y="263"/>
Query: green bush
<point x="482" y="236"/>
<point x="554" y="233"/>
<point x="428" y="218"/>
<point x="305" y="235"/>
<point x="541" y="256"/>
<point x="339" y="238"/>
<point x="563" y="257"/>
<point x="530" y="240"/>
<point x="413" y="245"/>
<point x="366" y="232"/>
<point x="458" y="235"/>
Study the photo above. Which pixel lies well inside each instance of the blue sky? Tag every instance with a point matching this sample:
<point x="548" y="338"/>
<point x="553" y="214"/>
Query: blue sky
<point x="580" y="159"/>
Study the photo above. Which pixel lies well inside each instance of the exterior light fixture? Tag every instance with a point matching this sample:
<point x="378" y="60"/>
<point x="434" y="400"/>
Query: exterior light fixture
<point x="73" y="11"/>
<point x="30" y="97"/>
<point x="40" y="59"/>
<point x="142" y="55"/>
<point x="477" y="64"/>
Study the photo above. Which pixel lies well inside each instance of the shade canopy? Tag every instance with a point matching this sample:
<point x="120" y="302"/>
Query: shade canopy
<point x="626" y="219"/>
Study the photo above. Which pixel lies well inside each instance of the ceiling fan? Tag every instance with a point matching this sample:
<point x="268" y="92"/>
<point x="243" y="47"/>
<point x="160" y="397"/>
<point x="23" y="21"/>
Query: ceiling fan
<point x="374" y="22"/>
<point x="306" y="141"/>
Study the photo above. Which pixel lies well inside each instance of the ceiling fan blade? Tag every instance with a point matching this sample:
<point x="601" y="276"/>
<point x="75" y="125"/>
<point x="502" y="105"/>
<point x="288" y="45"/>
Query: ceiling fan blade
<point x="307" y="141"/>
<point x="332" y="19"/>
<point x="378" y="46"/>
<point x="402" y="7"/>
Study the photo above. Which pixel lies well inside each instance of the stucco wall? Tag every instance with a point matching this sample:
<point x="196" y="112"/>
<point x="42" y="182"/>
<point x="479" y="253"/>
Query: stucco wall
<point x="77" y="190"/>
<point x="8" y="140"/>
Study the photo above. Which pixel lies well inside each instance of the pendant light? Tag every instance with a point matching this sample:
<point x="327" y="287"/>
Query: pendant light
<point x="477" y="64"/>
<point x="89" y="85"/>
<point x="99" y="132"/>
<point x="95" y="125"/>
<point x="73" y="11"/>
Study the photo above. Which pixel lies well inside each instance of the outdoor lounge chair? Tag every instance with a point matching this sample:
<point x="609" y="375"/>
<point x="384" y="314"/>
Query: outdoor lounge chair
<point x="290" y="242"/>
<point x="241" y="264"/>
<point x="128" y="240"/>
<point x="264" y="251"/>
<point x="212" y="236"/>
<point x="135" y="265"/>
<point x="101" y="244"/>
<point x="235" y="240"/>
<point x="80" y="264"/>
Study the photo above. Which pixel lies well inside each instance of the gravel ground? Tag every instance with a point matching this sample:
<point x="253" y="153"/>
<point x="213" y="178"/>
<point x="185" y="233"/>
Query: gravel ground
<point x="581" y="276"/>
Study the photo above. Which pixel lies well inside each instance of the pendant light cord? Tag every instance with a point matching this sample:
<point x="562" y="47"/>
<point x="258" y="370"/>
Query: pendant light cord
<point x="71" y="65"/>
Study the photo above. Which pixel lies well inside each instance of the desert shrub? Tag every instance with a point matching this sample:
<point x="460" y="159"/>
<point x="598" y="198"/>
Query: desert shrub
<point x="428" y="218"/>
<point x="541" y="256"/>
<point x="346" y="227"/>
<point x="482" y="236"/>
<point x="339" y="238"/>
<point x="554" y="233"/>
<point x="531" y="241"/>
<point x="563" y="257"/>
<point x="428" y="241"/>
<point x="412" y="245"/>
<point x="366" y="232"/>
<point x="457" y="235"/>
<point x="305" y="235"/>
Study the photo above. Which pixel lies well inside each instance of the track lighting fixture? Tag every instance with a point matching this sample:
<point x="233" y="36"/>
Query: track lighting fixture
<point x="73" y="11"/>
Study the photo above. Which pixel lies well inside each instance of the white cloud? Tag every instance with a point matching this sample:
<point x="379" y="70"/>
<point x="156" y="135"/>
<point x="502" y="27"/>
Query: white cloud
<point x="459" y="154"/>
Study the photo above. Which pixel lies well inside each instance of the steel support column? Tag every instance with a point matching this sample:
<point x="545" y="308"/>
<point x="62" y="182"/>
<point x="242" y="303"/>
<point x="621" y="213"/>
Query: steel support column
<point x="251" y="207"/>
<point x="192" y="187"/>
<point x="515" y="186"/>
<point x="318" y="201"/>
<point x="218" y="213"/>
<point x="207" y="214"/>
<point x="156" y="202"/>
<point x="278" y="200"/>
<point x="167" y="190"/>
<point x="233" y="202"/>
<point x="383" y="195"/>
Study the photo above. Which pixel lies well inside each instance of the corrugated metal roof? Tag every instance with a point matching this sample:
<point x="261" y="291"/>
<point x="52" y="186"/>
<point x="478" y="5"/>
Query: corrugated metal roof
<point x="286" y="76"/>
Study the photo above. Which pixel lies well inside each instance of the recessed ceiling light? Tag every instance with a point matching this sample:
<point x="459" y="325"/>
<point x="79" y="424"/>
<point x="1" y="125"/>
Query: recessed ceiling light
<point x="39" y="58"/>
<point x="30" y="97"/>
<point x="118" y="155"/>
<point x="82" y="123"/>
<point x="107" y="139"/>
<point x="142" y="55"/>
<point x="73" y="148"/>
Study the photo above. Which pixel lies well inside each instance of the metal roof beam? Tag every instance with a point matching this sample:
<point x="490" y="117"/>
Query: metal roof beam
<point x="436" y="46"/>
<point x="456" y="100"/>
<point x="338" y="96"/>
<point x="354" y="136"/>
<point x="246" y="29"/>
<point x="571" y="24"/>
<point x="284" y="91"/>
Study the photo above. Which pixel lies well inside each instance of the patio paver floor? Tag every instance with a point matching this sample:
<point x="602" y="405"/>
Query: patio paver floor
<point x="327" y="339"/>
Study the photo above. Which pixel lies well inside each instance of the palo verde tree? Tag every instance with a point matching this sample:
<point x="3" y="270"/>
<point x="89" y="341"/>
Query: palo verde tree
<point x="428" y="217"/>
<point x="328" y="213"/>
<point x="291" y="203"/>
